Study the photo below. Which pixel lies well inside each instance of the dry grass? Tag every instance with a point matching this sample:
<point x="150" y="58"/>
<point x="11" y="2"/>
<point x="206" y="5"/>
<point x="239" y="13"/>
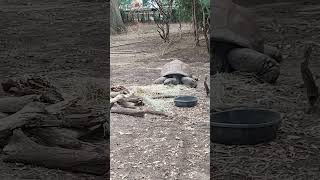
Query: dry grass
<point x="162" y="104"/>
<point x="92" y="91"/>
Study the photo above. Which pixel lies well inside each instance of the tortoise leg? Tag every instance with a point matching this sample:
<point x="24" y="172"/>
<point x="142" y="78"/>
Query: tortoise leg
<point x="273" y="52"/>
<point x="248" y="60"/>
<point x="189" y="82"/>
<point x="160" y="80"/>
<point x="173" y="81"/>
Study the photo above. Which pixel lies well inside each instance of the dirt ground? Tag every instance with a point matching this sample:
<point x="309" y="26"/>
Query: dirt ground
<point x="68" y="41"/>
<point x="295" y="152"/>
<point x="155" y="147"/>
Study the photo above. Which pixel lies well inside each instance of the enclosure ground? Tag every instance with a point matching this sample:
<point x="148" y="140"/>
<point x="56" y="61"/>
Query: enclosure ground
<point x="295" y="152"/>
<point x="175" y="147"/>
<point x="66" y="40"/>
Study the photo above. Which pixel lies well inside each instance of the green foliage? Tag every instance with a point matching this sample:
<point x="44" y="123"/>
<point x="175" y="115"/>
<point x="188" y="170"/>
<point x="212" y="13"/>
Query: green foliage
<point x="184" y="9"/>
<point x="128" y="2"/>
<point x="205" y="3"/>
<point x="145" y="2"/>
<point x="124" y="2"/>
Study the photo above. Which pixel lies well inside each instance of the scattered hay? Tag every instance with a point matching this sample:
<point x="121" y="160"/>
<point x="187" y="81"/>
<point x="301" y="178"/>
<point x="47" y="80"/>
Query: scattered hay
<point x="159" y="104"/>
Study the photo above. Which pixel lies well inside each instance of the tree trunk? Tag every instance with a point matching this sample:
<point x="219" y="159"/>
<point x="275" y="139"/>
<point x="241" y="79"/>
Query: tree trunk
<point x="195" y="22"/>
<point x="116" y="23"/>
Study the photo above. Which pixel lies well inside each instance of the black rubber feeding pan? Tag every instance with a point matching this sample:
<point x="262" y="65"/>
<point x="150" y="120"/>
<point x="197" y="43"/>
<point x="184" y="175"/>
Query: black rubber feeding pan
<point x="244" y="126"/>
<point x="185" y="101"/>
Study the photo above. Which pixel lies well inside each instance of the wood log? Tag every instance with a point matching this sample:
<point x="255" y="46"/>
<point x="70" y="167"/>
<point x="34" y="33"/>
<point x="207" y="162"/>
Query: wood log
<point x="163" y="96"/>
<point x="30" y="114"/>
<point x="55" y="137"/>
<point x="15" y="104"/>
<point x="138" y="101"/>
<point x="114" y="94"/>
<point x="3" y="115"/>
<point x="23" y="150"/>
<point x="125" y="104"/>
<point x="51" y="96"/>
<point x="71" y="132"/>
<point x="60" y="106"/>
<point x="83" y="120"/>
<point x="130" y="112"/>
<point x="154" y="112"/>
<point x="118" y="98"/>
<point x="93" y="131"/>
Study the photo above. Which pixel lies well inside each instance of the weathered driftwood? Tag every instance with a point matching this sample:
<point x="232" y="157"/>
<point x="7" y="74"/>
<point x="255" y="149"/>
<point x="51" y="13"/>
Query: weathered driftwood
<point x="130" y="112"/>
<point x="3" y="115"/>
<point x="138" y="101"/>
<point x="22" y="149"/>
<point x="119" y="98"/>
<point x="71" y="132"/>
<point x="137" y="112"/>
<point x="51" y="96"/>
<point x="52" y="136"/>
<point x="33" y="114"/>
<point x="14" y="104"/>
<point x="114" y="94"/>
<point x="61" y="106"/>
<point x="163" y="96"/>
<point x="77" y="109"/>
<point x="83" y="120"/>
<point x="92" y="131"/>
<point x="126" y="104"/>
<point x="153" y="112"/>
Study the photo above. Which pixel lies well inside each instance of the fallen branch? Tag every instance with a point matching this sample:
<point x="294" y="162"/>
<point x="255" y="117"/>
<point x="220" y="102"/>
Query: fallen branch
<point x="114" y="94"/>
<point x="118" y="98"/>
<point x="60" y="106"/>
<point x="82" y="120"/>
<point x="32" y="114"/>
<point x="125" y="104"/>
<point x="153" y="112"/>
<point x="56" y="137"/>
<point x="137" y="112"/>
<point x="22" y="149"/>
<point x="163" y="96"/>
<point x="3" y="115"/>
<point x="130" y="112"/>
<point x="15" y="104"/>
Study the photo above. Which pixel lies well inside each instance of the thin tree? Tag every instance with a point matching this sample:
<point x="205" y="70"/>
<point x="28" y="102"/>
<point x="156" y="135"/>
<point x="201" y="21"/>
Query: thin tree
<point x="163" y="25"/>
<point x="195" y="22"/>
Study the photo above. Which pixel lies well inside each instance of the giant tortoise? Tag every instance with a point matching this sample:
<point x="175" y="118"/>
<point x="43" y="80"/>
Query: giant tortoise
<point x="237" y="43"/>
<point x="176" y="72"/>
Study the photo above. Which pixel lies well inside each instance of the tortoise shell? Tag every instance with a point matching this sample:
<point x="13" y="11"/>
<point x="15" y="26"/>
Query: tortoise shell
<point x="176" y="67"/>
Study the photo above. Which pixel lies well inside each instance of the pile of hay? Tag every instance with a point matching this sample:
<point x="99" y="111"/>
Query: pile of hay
<point x="160" y="104"/>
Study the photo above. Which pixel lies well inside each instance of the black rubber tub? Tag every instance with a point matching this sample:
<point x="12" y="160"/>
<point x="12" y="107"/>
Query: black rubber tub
<point x="244" y="126"/>
<point x="185" y="101"/>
